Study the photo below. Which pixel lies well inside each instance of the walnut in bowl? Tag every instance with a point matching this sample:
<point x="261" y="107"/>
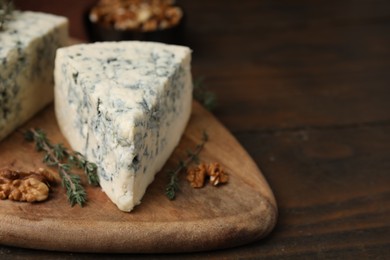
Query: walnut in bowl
<point x="149" y="20"/>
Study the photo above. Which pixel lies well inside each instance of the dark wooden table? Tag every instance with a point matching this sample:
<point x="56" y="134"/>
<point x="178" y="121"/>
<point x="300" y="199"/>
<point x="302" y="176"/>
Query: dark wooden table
<point x="305" y="87"/>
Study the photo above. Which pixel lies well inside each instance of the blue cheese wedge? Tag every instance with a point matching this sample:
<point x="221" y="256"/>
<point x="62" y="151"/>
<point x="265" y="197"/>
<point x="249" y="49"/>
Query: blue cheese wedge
<point x="28" y="44"/>
<point x="124" y="105"/>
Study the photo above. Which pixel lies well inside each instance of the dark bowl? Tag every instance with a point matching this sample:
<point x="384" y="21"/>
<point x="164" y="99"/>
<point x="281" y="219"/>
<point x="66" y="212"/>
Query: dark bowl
<point x="97" y="33"/>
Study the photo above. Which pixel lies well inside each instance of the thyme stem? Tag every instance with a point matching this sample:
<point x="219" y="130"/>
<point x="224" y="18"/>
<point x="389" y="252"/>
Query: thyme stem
<point x="55" y="156"/>
<point x="173" y="184"/>
<point x="203" y="95"/>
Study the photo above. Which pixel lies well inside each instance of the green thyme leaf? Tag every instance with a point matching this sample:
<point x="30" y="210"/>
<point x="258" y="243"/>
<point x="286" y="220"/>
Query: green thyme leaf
<point x="55" y="156"/>
<point x="203" y="95"/>
<point x="173" y="175"/>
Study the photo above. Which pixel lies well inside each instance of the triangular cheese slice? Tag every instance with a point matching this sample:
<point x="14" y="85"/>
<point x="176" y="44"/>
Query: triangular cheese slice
<point x="125" y="106"/>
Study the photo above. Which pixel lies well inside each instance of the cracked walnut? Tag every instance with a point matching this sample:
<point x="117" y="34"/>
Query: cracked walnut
<point x="197" y="176"/>
<point x="25" y="186"/>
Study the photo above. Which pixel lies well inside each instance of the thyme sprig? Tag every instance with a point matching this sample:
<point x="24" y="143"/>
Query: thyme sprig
<point x="89" y="168"/>
<point x="6" y="8"/>
<point x="203" y="95"/>
<point x="192" y="156"/>
<point x="56" y="155"/>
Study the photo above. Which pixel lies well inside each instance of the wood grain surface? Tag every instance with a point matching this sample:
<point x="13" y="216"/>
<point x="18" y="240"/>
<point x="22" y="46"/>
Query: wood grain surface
<point x="304" y="86"/>
<point x="239" y="212"/>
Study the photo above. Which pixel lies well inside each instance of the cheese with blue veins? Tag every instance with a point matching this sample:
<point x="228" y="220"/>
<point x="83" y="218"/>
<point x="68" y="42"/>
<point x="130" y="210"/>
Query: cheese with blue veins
<point x="28" y="44"/>
<point x="125" y="106"/>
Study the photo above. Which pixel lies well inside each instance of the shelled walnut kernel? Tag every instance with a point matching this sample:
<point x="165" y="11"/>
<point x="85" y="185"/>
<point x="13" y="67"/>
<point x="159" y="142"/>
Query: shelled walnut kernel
<point x="25" y="186"/>
<point x="217" y="174"/>
<point x="197" y="175"/>
<point x="138" y="15"/>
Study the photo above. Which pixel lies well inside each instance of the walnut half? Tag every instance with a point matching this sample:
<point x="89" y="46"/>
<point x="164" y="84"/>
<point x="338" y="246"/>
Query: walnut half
<point x="197" y="176"/>
<point x="217" y="174"/>
<point x="25" y="186"/>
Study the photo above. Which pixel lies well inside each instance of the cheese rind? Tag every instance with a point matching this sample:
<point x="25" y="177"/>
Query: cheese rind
<point x="28" y="44"/>
<point x="124" y="105"/>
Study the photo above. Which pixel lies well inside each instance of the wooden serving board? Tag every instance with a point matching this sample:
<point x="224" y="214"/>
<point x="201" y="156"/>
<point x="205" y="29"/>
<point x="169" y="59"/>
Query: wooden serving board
<point x="239" y="212"/>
